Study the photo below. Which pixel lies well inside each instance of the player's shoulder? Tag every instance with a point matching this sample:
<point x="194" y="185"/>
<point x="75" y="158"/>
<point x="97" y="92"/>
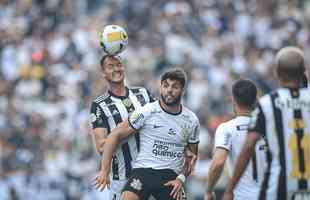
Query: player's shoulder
<point x="226" y="125"/>
<point x="149" y="109"/>
<point x="266" y="99"/>
<point x="189" y="114"/>
<point x="102" y="98"/>
<point x="152" y="107"/>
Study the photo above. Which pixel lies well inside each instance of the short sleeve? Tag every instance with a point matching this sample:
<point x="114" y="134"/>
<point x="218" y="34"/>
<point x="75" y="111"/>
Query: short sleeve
<point x="194" y="137"/>
<point x="97" y="117"/>
<point x="257" y="121"/>
<point x="137" y="118"/>
<point x="223" y="138"/>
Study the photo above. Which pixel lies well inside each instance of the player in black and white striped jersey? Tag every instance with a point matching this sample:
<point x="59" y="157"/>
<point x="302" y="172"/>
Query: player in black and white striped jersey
<point x="283" y="118"/>
<point x="110" y="109"/>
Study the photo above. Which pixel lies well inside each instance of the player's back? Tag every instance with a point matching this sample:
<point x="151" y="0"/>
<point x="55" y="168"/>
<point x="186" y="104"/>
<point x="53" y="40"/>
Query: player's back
<point x="287" y="129"/>
<point x="231" y="136"/>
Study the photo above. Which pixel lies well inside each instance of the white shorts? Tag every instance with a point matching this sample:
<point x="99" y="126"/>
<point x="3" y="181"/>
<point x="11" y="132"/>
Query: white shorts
<point x="96" y="194"/>
<point x="116" y="188"/>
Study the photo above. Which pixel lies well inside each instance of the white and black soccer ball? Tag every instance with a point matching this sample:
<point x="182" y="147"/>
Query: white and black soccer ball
<point x="113" y="39"/>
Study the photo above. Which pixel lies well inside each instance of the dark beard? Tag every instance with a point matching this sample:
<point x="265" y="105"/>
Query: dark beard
<point x="173" y="103"/>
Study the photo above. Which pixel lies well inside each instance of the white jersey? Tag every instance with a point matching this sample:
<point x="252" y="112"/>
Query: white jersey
<point x="163" y="136"/>
<point x="231" y="135"/>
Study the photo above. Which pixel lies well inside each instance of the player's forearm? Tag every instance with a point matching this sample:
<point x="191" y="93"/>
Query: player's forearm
<point x="214" y="174"/>
<point x="108" y="150"/>
<point x="242" y="162"/>
<point x="191" y="155"/>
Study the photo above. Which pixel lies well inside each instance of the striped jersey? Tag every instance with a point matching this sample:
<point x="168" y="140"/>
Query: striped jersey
<point x="283" y="118"/>
<point x="164" y="136"/>
<point x="231" y="136"/>
<point x="107" y="111"/>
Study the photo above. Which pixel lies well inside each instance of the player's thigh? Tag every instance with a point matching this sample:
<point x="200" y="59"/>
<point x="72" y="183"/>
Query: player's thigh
<point x="139" y="183"/>
<point x="127" y="195"/>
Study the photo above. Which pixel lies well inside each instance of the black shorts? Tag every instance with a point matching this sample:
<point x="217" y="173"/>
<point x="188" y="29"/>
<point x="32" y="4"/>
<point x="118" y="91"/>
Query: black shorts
<point x="147" y="181"/>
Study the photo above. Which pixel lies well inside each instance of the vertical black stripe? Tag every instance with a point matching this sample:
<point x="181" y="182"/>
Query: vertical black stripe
<point x="117" y="119"/>
<point x="254" y="165"/>
<point x="141" y="99"/>
<point x="299" y="131"/>
<point x="262" y="195"/>
<point x="115" y="173"/>
<point x="127" y="158"/>
<point x="130" y="108"/>
<point x="125" y="147"/>
<point x="282" y="186"/>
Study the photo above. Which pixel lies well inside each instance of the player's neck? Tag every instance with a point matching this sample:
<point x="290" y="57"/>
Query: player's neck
<point x="290" y="84"/>
<point x="118" y="89"/>
<point x="242" y="112"/>
<point x="175" y="109"/>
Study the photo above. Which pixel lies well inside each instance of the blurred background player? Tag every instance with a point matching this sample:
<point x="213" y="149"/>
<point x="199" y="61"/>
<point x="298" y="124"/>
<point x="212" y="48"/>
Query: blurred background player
<point x="283" y="119"/>
<point x="110" y="109"/>
<point x="166" y="128"/>
<point x="229" y="138"/>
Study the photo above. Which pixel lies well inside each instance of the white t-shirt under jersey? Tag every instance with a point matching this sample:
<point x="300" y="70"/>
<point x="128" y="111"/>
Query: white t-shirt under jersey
<point x="163" y="136"/>
<point x="231" y="136"/>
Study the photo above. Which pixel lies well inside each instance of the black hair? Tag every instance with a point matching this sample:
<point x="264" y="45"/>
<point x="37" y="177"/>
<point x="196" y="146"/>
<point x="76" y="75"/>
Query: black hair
<point x="175" y="74"/>
<point x="244" y="93"/>
<point x="104" y="57"/>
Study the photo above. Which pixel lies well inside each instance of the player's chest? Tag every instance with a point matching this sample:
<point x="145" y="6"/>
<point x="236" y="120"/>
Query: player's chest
<point x="170" y="128"/>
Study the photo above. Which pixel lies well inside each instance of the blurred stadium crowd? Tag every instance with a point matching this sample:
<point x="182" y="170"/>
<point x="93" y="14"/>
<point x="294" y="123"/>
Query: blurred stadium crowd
<point x="49" y="64"/>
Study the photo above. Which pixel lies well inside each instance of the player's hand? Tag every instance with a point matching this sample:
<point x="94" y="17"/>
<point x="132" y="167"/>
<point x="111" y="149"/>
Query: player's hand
<point x="176" y="191"/>
<point x="210" y="196"/>
<point x="228" y="195"/>
<point x="190" y="161"/>
<point x="102" y="180"/>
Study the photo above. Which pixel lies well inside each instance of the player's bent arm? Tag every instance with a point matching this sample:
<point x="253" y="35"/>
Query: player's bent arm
<point x="122" y="131"/>
<point x="99" y="138"/>
<point x="243" y="160"/>
<point x="191" y="155"/>
<point x="216" y="168"/>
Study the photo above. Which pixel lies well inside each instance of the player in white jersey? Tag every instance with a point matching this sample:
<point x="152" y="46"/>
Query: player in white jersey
<point x="283" y="119"/>
<point x="166" y="128"/>
<point x="229" y="138"/>
<point x="110" y="109"/>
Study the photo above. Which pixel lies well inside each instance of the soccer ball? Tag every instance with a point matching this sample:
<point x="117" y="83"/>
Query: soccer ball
<point x="113" y="39"/>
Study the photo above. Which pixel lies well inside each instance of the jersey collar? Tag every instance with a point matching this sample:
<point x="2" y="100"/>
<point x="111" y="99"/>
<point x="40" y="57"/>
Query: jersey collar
<point x="119" y="97"/>
<point x="170" y="112"/>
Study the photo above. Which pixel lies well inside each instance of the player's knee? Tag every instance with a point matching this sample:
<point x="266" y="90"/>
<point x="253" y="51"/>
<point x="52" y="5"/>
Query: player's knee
<point x="127" y="195"/>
